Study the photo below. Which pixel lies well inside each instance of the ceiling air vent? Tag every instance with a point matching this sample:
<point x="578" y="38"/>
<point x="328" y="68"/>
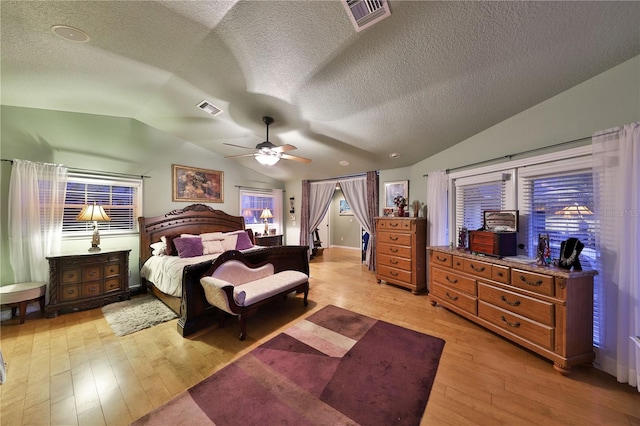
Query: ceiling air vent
<point x="211" y="109"/>
<point x="364" y="13"/>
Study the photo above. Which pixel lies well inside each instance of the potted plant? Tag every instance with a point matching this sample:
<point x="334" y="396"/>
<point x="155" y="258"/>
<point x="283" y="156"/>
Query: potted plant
<point x="416" y="207"/>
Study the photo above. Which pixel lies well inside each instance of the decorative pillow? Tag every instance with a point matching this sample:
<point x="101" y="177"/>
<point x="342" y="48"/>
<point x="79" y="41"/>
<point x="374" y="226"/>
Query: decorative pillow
<point x="244" y="242"/>
<point x="212" y="247"/>
<point x="188" y="246"/>
<point x="158" y="249"/>
<point x="212" y="236"/>
<point x="170" y="248"/>
<point x="229" y="242"/>
<point x="189" y="236"/>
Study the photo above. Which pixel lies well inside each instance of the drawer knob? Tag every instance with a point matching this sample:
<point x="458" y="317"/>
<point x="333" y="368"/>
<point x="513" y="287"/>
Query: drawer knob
<point x="70" y="291"/>
<point x="533" y="283"/>
<point x="393" y="238"/>
<point x="441" y="259"/>
<point x="393" y="249"/>
<point x="510" y="324"/>
<point x="454" y="298"/>
<point x="393" y="261"/>
<point x="475" y="268"/>
<point x="393" y="225"/>
<point x="452" y="280"/>
<point x="500" y="274"/>
<point x="504" y="299"/>
<point x="395" y="274"/>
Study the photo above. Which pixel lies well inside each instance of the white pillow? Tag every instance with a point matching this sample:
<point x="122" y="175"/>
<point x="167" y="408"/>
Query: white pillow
<point x="159" y="248"/>
<point x="212" y="247"/>
<point x="189" y="236"/>
<point x="229" y="242"/>
<point x="212" y="236"/>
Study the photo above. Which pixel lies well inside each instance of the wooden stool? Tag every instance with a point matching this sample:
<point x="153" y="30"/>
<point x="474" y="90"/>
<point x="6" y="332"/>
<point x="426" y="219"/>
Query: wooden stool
<point x="20" y="295"/>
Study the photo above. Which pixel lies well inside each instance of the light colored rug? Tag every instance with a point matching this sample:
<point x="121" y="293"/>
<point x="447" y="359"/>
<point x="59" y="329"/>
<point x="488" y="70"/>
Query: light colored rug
<point x="136" y="314"/>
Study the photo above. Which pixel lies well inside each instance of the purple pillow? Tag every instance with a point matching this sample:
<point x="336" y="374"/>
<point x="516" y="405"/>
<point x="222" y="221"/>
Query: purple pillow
<point x="243" y="242"/>
<point x="188" y="247"/>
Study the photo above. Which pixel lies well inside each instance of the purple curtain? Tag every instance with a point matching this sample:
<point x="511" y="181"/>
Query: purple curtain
<point x="372" y="205"/>
<point x="304" y="214"/>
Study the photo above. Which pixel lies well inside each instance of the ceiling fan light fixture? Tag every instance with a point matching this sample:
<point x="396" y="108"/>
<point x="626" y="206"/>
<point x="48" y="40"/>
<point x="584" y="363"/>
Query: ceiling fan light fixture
<point x="267" y="159"/>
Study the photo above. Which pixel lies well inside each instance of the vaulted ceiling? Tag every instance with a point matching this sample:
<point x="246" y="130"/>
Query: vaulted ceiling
<point x="427" y="77"/>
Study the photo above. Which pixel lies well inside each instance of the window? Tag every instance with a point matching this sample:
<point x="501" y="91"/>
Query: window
<point x="553" y="194"/>
<point x="120" y="198"/>
<point x="252" y="203"/>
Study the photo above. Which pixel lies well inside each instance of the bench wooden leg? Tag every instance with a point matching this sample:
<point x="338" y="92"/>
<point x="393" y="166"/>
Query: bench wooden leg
<point x="243" y="326"/>
<point x="306" y="293"/>
<point x="41" y="300"/>
<point x="23" y="311"/>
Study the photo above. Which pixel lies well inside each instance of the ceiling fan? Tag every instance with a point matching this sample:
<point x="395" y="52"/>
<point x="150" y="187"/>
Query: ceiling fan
<point x="268" y="154"/>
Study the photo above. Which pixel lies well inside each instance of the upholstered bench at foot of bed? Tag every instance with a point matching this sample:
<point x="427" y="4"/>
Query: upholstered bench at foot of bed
<point x="252" y="288"/>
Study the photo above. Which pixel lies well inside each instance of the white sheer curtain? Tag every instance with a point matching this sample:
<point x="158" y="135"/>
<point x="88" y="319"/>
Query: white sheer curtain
<point x="278" y="210"/>
<point x="355" y="192"/>
<point x="616" y="172"/>
<point x="320" y="194"/>
<point x="36" y="204"/>
<point x="437" y="207"/>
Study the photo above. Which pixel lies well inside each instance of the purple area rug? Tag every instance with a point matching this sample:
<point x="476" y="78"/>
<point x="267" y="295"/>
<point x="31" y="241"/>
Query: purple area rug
<point x="335" y="367"/>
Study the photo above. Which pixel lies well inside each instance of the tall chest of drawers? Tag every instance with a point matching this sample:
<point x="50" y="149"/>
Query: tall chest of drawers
<point x="87" y="280"/>
<point x="546" y="310"/>
<point x="401" y="252"/>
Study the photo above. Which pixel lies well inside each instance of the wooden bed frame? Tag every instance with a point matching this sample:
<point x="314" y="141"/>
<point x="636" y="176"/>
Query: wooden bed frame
<point x="194" y="312"/>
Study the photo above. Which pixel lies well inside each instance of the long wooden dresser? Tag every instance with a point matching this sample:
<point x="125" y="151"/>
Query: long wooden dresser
<point x="401" y="252"/>
<point x="544" y="309"/>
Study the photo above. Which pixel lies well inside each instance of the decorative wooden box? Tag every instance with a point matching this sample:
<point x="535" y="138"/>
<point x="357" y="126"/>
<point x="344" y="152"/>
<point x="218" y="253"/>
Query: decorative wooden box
<point x="499" y="236"/>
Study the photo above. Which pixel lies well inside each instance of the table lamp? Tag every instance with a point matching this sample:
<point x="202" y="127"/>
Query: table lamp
<point x="266" y="215"/>
<point x="93" y="213"/>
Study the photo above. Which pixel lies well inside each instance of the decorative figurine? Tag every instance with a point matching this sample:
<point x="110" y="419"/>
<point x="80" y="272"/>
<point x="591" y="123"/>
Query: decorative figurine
<point x="462" y="238"/>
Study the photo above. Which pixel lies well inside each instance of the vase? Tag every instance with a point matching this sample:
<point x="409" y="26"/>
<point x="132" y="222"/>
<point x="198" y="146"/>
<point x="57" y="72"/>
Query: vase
<point x="400" y="211"/>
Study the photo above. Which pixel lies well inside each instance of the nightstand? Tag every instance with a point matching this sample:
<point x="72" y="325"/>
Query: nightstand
<point x="87" y="280"/>
<point x="269" y="240"/>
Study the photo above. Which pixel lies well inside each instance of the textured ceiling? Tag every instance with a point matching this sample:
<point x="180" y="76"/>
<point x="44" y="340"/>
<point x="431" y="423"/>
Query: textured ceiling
<point x="426" y="78"/>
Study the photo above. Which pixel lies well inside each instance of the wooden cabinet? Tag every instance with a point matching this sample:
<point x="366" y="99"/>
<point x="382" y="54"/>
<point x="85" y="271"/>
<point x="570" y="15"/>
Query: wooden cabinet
<point x="546" y="310"/>
<point x="268" y="240"/>
<point x="401" y="252"/>
<point x="87" y="280"/>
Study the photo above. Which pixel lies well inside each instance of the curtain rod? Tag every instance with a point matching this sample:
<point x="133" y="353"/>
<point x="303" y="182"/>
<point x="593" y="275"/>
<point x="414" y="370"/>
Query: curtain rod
<point x="257" y="189"/>
<point x="510" y="156"/>
<point x="71" y="169"/>
<point x="340" y="177"/>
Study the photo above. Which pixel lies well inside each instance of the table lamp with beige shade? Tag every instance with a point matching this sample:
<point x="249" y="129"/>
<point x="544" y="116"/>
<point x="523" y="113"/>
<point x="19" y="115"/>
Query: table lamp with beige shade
<point x="93" y="213"/>
<point x="266" y="215"/>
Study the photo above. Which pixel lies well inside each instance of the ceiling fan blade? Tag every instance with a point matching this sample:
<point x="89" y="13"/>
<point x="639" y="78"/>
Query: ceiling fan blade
<point x="237" y="146"/>
<point x="283" y="148"/>
<point x="241" y="155"/>
<point x="294" y="158"/>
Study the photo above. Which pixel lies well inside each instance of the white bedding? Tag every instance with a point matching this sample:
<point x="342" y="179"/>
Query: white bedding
<point x="165" y="272"/>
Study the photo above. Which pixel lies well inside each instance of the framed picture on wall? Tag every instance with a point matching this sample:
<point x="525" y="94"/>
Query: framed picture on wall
<point x="194" y="184"/>
<point x="393" y="189"/>
<point x="345" y="208"/>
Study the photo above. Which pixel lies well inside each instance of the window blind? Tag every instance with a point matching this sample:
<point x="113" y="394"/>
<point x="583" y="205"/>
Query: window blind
<point x="561" y="205"/>
<point x="472" y="200"/>
<point x="120" y="200"/>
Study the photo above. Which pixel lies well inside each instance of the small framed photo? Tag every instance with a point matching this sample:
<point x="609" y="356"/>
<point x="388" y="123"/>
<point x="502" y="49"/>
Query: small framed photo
<point x="345" y="208"/>
<point x="194" y="184"/>
<point x="387" y="212"/>
<point x="393" y="189"/>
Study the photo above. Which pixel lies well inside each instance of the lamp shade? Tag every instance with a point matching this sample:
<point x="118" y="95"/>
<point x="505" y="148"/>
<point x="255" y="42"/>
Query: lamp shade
<point x="575" y="210"/>
<point x="93" y="213"/>
<point x="266" y="214"/>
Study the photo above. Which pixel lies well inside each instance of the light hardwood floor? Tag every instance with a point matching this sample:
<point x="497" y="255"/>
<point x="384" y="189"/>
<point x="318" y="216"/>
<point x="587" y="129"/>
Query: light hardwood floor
<point x="73" y="370"/>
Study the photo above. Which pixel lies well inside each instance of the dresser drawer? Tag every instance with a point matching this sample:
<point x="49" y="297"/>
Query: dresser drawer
<point x="480" y="269"/>
<point x="455" y="298"/>
<point x="71" y="276"/>
<point x="534" y="309"/>
<point x="453" y="280"/>
<point x="500" y="273"/>
<point x="443" y="259"/>
<point x="395" y="224"/>
<point x="392" y="250"/>
<point x="458" y="263"/>
<point x="90" y="273"/>
<point x="111" y="270"/>
<point x="395" y="262"/>
<point x="69" y="292"/>
<point x="111" y="284"/>
<point x="532" y="331"/>
<point x="390" y="238"/>
<point x="531" y="281"/>
<point x="91" y="289"/>
<point x="394" y="274"/>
